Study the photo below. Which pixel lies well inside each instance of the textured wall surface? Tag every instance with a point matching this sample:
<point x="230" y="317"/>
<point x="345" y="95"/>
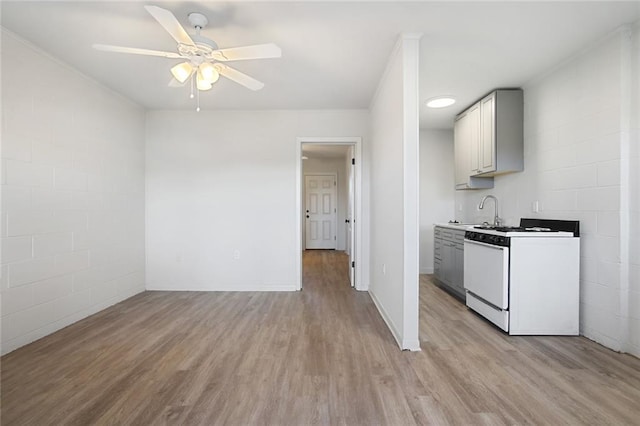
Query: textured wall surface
<point x="72" y="195"/>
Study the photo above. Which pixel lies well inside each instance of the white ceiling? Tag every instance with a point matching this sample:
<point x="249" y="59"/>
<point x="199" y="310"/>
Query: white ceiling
<point x="333" y="52"/>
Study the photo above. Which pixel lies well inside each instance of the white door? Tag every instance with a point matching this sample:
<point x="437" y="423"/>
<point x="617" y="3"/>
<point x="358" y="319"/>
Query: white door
<point x="351" y="235"/>
<point x="320" y="211"/>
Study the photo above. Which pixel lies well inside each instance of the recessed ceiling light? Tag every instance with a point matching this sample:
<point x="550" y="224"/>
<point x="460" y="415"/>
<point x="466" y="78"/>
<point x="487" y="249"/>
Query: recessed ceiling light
<point x="304" y="157"/>
<point x="440" y="102"/>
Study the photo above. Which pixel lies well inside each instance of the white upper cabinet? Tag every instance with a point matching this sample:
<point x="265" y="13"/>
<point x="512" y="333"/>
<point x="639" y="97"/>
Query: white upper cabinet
<point x="489" y="139"/>
<point x="473" y="115"/>
<point x="466" y="151"/>
<point x="461" y="149"/>
<point x="487" y="142"/>
<point x="501" y="143"/>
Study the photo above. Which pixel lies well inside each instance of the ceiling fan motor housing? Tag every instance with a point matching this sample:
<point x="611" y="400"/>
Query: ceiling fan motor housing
<point x="204" y="42"/>
<point x="204" y="47"/>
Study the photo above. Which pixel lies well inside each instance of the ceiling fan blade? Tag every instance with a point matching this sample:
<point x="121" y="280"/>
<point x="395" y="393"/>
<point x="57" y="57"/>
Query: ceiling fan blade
<point x="175" y="83"/>
<point x="239" y="77"/>
<point x="135" y="51"/>
<point x="258" y="51"/>
<point x="171" y="24"/>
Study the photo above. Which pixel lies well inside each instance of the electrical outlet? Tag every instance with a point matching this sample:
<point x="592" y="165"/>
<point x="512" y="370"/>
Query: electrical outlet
<point x="236" y="254"/>
<point x="535" y="206"/>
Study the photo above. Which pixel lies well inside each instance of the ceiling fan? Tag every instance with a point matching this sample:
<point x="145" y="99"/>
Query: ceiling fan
<point x="203" y="59"/>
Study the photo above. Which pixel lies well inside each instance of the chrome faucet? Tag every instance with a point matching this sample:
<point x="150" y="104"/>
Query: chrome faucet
<point x="496" y="220"/>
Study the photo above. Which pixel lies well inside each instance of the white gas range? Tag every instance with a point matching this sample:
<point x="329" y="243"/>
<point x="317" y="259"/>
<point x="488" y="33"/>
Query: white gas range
<point x="525" y="279"/>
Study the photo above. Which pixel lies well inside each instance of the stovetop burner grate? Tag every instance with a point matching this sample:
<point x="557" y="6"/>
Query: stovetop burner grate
<point x="536" y="225"/>
<point x="515" y="229"/>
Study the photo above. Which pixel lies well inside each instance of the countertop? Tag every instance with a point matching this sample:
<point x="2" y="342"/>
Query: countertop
<point x="457" y="226"/>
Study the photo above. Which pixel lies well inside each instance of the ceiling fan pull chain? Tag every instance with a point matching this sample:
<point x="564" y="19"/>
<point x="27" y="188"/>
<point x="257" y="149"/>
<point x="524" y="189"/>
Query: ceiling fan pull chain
<point x="198" y="101"/>
<point x="192" y="83"/>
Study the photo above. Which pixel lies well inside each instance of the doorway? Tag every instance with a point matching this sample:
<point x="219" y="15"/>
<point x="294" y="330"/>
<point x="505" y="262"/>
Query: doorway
<point x="321" y="211"/>
<point x="342" y="154"/>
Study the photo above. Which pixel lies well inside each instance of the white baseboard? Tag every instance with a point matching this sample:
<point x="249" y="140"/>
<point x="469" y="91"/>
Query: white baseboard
<point x="404" y="344"/>
<point x="428" y="270"/>
<point x="411" y="345"/>
<point x="226" y="288"/>
<point x="387" y="319"/>
<point x="39" y="333"/>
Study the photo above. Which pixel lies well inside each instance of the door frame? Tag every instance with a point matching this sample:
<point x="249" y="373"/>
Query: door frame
<point x="336" y="195"/>
<point x="350" y="236"/>
<point x="356" y="142"/>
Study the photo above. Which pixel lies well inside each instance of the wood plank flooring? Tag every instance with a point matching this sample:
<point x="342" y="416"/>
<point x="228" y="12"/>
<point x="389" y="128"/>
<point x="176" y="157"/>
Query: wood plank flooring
<point x="320" y="356"/>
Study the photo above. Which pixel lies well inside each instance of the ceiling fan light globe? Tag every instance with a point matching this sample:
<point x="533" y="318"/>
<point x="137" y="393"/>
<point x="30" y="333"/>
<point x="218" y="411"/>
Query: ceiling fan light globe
<point x="182" y="71"/>
<point x="209" y="72"/>
<point x="201" y="82"/>
<point x="204" y="85"/>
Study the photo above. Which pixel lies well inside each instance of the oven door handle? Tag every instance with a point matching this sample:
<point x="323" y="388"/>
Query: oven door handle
<point x="492" y="246"/>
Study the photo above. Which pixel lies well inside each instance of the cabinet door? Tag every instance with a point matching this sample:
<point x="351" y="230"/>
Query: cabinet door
<point x="473" y="131"/>
<point x="437" y="258"/>
<point x="437" y="248"/>
<point x="461" y="150"/>
<point x="488" y="134"/>
<point x="437" y="252"/>
<point x="448" y="262"/>
<point x="458" y="280"/>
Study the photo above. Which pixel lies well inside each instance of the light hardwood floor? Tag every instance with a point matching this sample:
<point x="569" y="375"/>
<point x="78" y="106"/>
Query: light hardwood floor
<point x="320" y="356"/>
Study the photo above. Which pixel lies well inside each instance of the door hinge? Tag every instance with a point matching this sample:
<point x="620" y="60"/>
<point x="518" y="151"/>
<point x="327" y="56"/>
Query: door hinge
<point x="335" y="183"/>
<point x="353" y="161"/>
<point x="353" y="264"/>
<point x="334" y="237"/>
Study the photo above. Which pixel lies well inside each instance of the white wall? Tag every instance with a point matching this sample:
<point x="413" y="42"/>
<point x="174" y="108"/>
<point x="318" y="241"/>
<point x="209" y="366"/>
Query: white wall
<point x="394" y="194"/>
<point x="335" y="166"/>
<point x="72" y="195"/>
<point x="573" y="151"/>
<point x="437" y="181"/>
<point x="221" y="182"/>
<point x="633" y="345"/>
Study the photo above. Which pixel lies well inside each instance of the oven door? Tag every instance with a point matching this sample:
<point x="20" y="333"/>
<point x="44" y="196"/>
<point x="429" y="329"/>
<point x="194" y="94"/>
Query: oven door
<point x="486" y="272"/>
